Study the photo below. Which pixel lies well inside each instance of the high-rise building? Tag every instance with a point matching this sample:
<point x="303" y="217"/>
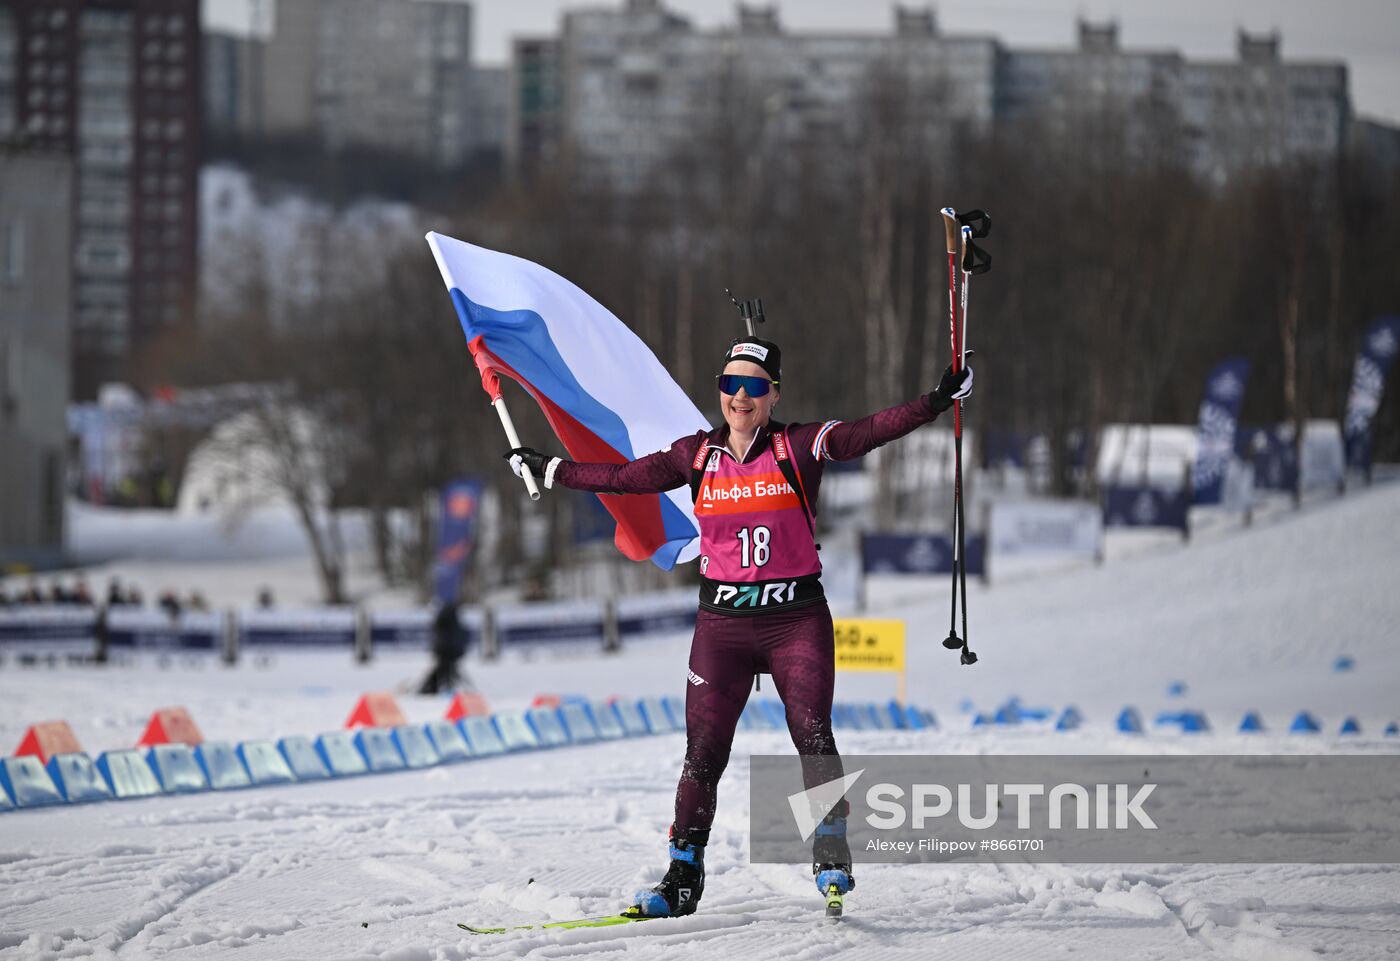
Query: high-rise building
<point x="623" y="87"/>
<point x="637" y="83"/>
<point x="1260" y="110"/>
<point x="115" y="84"/>
<point x="534" y="106"/>
<point x="36" y="304"/>
<point x="395" y="75"/>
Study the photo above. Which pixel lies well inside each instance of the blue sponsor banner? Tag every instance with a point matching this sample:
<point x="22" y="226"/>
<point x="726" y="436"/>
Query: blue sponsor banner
<point x="461" y="502"/>
<point x="1215" y="434"/>
<point x="550" y="622"/>
<point x="1146" y="507"/>
<point x="414" y="629"/>
<point x="919" y="554"/>
<point x="156" y="630"/>
<point x="1378" y="350"/>
<point x="326" y="627"/>
<point x="1275" y="457"/>
<point x="45" y="628"/>
<point x="642" y="615"/>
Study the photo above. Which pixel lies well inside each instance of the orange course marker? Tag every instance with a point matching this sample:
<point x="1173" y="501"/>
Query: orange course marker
<point x="47" y="739"/>
<point x="171" y="725"/>
<point x="376" y="709"/>
<point x="467" y="704"/>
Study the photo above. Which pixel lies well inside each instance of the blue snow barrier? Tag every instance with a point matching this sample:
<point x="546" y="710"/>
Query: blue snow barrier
<point x="516" y="732"/>
<point x="127" y="774"/>
<point x="1252" y="723"/>
<point x="1008" y="713"/>
<point x="965" y="706"/>
<point x="448" y="741"/>
<point x="1069" y="719"/>
<point x="776" y="715"/>
<point x="25" y="780"/>
<point x="545" y="723"/>
<point x="841" y="715"/>
<point x="77" y="779"/>
<point x="675" y="709"/>
<point x="1036" y="713"/>
<point x="1304" y="723"/>
<point x="1350" y="726"/>
<point x="654" y="712"/>
<point x="414" y="746"/>
<point x="1190" y="722"/>
<point x="917" y="720"/>
<point x="1129" y="721"/>
<point x="1176" y="689"/>
<point x="177" y="769"/>
<point x="898" y="719"/>
<point x="1343" y="664"/>
<point x="379" y="750"/>
<point x="929" y="719"/>
<point x="265" y="763"/>
<point x="303" y="758"/>
<point x="578" y="726"/>
<point x="983" y="720"/>
<point x="1392" y="729"/>
<point x="630" y="716"/>
<point x="221" y="766"/>
<point x="876" y="718"/>
<point x="339" y="754"/>
<point x="481" y="736"/>
<point x="607" y="722"/>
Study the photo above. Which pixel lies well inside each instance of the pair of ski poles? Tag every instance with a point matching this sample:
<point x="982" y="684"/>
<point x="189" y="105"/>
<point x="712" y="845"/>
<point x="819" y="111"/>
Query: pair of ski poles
<point x="960" y="231"/>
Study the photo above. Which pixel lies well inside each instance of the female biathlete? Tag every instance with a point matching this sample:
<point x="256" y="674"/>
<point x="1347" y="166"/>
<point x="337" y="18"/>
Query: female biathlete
<point x="755" y="483"/>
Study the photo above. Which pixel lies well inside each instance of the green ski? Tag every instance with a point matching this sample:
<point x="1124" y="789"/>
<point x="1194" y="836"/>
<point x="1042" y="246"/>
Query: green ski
<point x="605" y="921"/>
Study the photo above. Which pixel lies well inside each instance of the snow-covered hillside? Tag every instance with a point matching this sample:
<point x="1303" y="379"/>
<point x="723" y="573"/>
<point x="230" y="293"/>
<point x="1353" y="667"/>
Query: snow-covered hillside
<point x="384" y="866"/>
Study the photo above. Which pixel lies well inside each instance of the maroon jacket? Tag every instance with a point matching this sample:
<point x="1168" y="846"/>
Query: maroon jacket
<point x="811" y="444"/>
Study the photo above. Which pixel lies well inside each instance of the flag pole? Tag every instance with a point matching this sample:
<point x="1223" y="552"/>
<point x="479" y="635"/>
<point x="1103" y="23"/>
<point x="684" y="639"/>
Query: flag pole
<point x="499" y="403"/>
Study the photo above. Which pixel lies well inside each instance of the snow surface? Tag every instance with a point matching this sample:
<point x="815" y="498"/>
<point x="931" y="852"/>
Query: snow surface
<point x="384" y="866"/>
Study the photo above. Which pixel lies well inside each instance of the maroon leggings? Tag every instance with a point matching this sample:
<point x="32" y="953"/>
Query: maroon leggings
<point x="796" y="647"/>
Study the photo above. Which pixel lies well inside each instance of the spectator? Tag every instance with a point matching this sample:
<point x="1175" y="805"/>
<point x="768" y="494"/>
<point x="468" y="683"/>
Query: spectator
<point x="115" y="597"/>
<point x="198" y="603"/>
<point x="81" y="594"/>
<point x="4" y="598"/>
<point x="170" y="604"/>
<point x="265" y="598"/>
<point x="134" y="598"/>
<point x="449" y="646"/>
<point x="32" y="595"/>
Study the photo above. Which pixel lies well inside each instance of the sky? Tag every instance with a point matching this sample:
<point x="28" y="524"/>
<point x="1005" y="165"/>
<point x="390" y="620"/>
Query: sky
<point x="1364" y="33"/>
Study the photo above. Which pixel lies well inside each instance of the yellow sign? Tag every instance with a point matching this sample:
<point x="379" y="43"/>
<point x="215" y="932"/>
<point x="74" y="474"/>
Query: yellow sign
<point x="869" y="645"/>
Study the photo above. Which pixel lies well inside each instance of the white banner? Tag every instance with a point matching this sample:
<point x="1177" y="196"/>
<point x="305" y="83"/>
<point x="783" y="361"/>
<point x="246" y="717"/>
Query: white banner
<point x="1033" y="534"/>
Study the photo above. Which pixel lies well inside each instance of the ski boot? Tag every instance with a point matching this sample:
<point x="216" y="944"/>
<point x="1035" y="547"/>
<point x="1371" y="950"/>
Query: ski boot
<point x="679" y="891"/>
<point x="831" y="859"/>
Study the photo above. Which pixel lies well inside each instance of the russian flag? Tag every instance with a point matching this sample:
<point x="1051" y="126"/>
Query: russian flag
<point x="604" y="393"/>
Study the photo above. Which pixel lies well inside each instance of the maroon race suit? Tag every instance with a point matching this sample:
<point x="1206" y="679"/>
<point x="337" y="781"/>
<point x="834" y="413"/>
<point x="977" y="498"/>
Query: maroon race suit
<point x="761" y="605"/>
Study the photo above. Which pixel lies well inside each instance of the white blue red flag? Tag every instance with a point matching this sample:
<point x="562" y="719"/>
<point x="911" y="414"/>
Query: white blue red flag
<point x="604" y="393"/>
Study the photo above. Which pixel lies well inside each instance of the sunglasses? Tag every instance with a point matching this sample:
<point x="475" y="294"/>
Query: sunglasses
<point x="753" y="386"/>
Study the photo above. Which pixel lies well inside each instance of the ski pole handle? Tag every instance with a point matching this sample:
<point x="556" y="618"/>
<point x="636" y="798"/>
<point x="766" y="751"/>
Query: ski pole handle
<point x="514" y="439"/>
<point x="952" y="230"/>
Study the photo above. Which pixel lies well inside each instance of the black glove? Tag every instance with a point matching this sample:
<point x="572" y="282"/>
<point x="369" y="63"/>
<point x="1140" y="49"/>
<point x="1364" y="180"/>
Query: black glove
<point x="529" y="457"/>
<point x="952" y="387"/>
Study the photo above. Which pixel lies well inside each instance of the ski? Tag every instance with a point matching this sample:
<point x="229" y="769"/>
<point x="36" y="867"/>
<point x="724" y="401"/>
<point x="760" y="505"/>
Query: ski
<point x="835" y="903"/>
<point x="604" y="921"/>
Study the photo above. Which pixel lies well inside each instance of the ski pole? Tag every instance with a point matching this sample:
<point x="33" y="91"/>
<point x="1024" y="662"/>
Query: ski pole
<point x="953" y="234"/>
<point x="974" y="261"/>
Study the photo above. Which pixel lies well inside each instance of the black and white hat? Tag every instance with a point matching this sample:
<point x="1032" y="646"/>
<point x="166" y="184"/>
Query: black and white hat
<point x="764" y="353"/>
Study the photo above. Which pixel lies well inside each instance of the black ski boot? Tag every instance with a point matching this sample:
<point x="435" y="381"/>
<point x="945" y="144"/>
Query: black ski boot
<point x="679" y="891"/>
<point x="831" y="859"/>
